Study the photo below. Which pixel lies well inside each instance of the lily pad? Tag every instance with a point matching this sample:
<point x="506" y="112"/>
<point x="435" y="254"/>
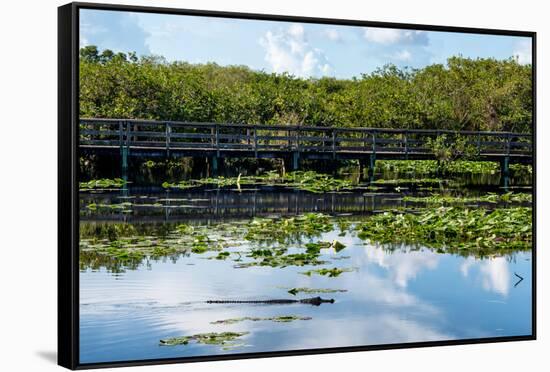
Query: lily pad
<point x="212" y="338"/>
<point x="331" y="273"/>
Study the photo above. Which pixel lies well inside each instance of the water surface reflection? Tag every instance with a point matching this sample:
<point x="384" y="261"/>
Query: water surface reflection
<point x="393" y="296"/>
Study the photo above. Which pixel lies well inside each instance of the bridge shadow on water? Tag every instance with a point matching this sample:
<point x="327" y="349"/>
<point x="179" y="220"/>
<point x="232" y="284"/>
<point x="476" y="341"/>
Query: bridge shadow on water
<point x="153" y="204"/>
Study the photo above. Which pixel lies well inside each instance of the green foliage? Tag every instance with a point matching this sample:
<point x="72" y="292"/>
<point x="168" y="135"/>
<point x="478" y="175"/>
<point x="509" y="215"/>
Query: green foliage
<point x="119" y="246"/>
<point x="449" y="148"/>
<point x="289" y="229"/>
<point x="453" y="229"/>
<point x="463" y="94"/>
<point x="104" y="183"/>
<point x="124" y="207"/>
<point x="331" y="273"/>
<point x="213" y="338"/>
<point x="294" y="291"/>
<point x="419" y="181"/>
<point x="284" y="260"/>
<point x="315" y="182"/>
<point x="296" y="241"/>
<point x="509" y="197"/>
<point x="521" y="168"/>
<point x="430" y="167"/>
<point x="304" y="180"/>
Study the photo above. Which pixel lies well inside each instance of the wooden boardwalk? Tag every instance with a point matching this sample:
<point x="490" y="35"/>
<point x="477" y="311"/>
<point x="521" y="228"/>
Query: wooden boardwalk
<point x="142" y="138"/>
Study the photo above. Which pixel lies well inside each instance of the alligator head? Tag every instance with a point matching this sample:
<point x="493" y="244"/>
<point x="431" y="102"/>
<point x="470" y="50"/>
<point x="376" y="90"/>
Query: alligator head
<point x="316" y="301"/>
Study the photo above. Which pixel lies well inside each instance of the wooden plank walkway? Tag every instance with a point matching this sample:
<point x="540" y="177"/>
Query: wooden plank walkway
<point x="176" y="139"/>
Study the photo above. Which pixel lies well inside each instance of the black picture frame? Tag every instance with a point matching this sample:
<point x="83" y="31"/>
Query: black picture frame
<point x="68" y="204"/>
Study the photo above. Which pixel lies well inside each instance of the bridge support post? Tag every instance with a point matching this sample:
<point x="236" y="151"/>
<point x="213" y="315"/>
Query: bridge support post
<point x="214" y="166"/>
<point x="505" y="172"/>
<point x="505" y="166"/>
<point x="124" y="162"/>
<point x="372" y="164"/>
<point x="295" y="160"/>
<point x="362" y="167"/>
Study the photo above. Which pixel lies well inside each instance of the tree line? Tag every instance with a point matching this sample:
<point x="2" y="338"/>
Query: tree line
<point x="462" y="94"/>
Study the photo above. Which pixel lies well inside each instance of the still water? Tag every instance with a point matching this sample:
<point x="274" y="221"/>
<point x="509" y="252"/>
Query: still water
<point x="406" y="294"/>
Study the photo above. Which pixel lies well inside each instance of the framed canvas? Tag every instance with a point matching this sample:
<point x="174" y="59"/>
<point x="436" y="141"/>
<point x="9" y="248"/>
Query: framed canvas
<point x="246" y="185"/>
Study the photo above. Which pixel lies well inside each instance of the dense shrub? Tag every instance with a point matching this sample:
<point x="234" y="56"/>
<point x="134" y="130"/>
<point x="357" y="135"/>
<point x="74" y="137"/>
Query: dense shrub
<point x="463" y="94"/>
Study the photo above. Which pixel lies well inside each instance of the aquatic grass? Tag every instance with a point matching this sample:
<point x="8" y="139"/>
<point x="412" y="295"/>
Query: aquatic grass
<point x="212" y="338"/>
<point x="117" y="244"/>
<point x="331" y="273"/>
<point x="453" y="229"/>
<point x="281" y="261"/>
<point x="303" y="180"/>
<point x="221" y="256"/>
<point x="295" y="291"/>
<point x="521" y="168"/>
<point x="509" y="197"/>
<point x="103" y="183"/>
<point x="431" y="167"/>
<point x="398" y="181"/>
<point x="213" y="181"/>
<point x="269" y="238"/>
<point x="415" y="171"/>
<point x="316" y="182"/>
<point x="124" y="206"/>
<point x="283" y="230"/>
<point x="180" y="185"/>
<point x="315" y="247"/>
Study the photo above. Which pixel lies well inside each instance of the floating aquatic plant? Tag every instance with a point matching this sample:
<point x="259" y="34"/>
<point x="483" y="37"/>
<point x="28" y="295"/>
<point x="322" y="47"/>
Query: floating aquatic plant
<point x="315" y="247"/>
<point x="331" y="273"/>
<point x="295" y="291"/>
<point x="397" y="181"/>
<point x="453" y="229"/>
<point x="103" y="183"/>
<point x="304" y="180"/>
<point x="124" y="206"/>
<point x="316" y="182"/>
<point x="509" y="197"/>
<point x="294" y="259"/>
<point x="430" y="167"/>
<point x="212" y="338"/>
<point x="284" y="229"/>
<point x="277" y="319"/>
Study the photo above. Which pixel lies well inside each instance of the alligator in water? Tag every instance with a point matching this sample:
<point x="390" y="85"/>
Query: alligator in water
<point x="315" y="301"/>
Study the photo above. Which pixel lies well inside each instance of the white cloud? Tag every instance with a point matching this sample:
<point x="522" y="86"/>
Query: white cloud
<point x="403" y="265"/>
<point x="289" y="51"/>
<point x="394" y="36"/>
<point x="466" y="265"/>
<point x="296" y="30"/>
<point x="523" y="52"/>
<point x="496" y="275"/>
<point x="117" y="31"/>
<point x="332" y="34"/>
<point x="403" y="55"/>
<point x="83" y="42"/>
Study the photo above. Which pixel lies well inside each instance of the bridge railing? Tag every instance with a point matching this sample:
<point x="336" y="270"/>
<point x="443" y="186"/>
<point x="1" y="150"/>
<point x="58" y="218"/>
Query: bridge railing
<point x="170" y="135"/>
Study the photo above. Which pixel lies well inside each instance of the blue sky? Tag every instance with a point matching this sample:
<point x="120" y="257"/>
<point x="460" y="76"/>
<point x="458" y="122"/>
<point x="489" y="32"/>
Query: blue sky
<point x="305" y="50"/>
